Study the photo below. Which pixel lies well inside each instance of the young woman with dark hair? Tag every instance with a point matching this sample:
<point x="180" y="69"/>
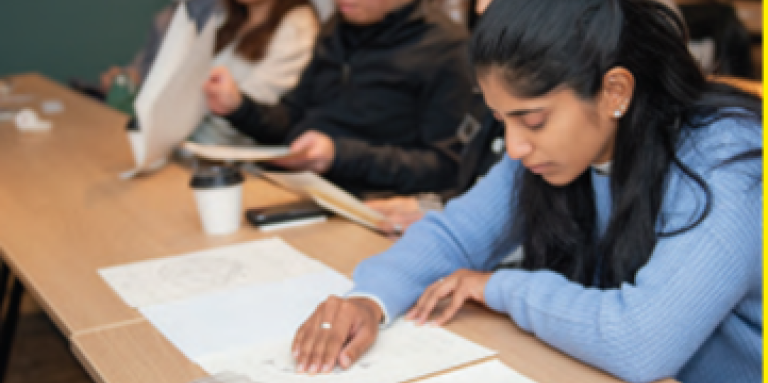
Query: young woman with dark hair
<point x="485" y="150"/>
<point x="264" y="45"/>
<point x="632" y="183"/>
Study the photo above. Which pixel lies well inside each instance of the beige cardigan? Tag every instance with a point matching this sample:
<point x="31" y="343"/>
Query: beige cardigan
<point x="288" y="54"/>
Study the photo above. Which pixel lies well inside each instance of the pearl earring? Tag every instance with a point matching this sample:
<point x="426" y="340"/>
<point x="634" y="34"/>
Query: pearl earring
<point x="617" y="114"/>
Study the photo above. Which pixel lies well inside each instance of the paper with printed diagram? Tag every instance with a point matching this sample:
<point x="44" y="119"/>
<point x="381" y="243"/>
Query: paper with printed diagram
<point x="178" y="277"/>
<point x="401" y="353"/>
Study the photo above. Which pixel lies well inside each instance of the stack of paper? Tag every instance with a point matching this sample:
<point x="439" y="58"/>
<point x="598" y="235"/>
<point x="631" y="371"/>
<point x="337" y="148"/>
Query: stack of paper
<point x="235" y="311"/>
<point x="486" y="372"/>
<point x="225" y="377"/>
<point x="258" y="314"/>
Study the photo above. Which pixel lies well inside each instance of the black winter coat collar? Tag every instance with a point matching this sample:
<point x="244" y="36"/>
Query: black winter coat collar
<point x="401" y="25"/>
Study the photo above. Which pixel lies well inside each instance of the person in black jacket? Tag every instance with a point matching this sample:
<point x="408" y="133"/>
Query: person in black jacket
<point x="379" y="106"/>
<point x="485" y="150"/>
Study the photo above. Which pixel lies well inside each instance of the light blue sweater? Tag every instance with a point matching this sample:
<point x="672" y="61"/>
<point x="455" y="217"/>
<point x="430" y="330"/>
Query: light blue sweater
<point x="694" y="312"/>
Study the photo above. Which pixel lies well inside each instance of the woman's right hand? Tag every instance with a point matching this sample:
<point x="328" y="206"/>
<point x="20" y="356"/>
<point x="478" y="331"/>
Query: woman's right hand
<point x="221" y="92"/>
<point x="338" y="332"/>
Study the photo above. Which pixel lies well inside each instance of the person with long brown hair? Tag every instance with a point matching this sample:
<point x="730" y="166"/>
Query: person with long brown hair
<point x="264" y="45"/>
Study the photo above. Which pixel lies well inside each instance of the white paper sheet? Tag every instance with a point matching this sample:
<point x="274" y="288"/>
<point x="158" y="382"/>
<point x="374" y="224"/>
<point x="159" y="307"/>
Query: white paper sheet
<point x="487" y="372"/>
<point x="401" y="353"/>
<point x="224" y="378"/>
<point x="178" y="277"/>
<point x="328" y="196"/>
<point x="214" y="323"/>
<point x="238" y="153"/>
<point x="178" y="40"/>
<point x="171" y="103"/>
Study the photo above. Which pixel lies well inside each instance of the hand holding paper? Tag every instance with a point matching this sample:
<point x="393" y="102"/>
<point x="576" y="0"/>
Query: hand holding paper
<point x="313" y="151"/>
<point x="221" y="92"/>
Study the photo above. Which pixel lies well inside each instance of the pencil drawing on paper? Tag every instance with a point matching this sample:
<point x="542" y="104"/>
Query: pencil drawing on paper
<point x="200" y="273"/>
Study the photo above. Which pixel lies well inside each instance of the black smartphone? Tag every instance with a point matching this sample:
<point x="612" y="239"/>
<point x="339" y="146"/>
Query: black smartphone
<point x="283" y="213"/>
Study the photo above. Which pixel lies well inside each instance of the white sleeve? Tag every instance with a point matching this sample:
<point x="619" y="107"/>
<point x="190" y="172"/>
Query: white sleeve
<point x="385" y="318"/>
<point x="288" y="54"/>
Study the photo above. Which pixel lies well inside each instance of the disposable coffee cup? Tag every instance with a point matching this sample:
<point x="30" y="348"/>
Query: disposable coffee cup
<point x="218" y="192"/>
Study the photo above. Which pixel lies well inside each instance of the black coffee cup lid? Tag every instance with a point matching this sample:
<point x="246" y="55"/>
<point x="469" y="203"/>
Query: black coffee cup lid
<point x="132" y="125"/>
<point x="215" y="176"/>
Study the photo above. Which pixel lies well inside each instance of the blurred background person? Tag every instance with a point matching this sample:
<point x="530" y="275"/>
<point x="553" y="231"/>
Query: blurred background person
<point x="263" y="45"/>
<point x="378" y="108"/>
<point x="484" y="150"/>
<point x="135" y="72"/>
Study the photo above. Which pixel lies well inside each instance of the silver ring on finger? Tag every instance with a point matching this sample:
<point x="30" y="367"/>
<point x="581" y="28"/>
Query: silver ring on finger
<point x="325" y="325"/>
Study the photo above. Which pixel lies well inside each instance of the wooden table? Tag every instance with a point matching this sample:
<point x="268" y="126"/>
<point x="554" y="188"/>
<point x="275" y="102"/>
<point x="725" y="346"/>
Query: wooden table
<point x="66" y="214"/>
<point x="138" y="353"/>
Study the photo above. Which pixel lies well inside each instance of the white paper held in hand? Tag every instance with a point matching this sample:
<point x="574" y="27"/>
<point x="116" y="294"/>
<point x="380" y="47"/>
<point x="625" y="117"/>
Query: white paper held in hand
<point x="237" y="153"/>
<point x="171" y="102"/>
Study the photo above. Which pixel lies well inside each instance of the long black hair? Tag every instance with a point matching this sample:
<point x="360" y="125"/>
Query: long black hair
<point x="542" y="45"/>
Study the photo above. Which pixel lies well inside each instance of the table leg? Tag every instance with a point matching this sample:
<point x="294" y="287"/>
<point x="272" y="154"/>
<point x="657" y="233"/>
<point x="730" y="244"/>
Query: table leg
<point x="3" y="284"/>
<point x="8" y="328"/>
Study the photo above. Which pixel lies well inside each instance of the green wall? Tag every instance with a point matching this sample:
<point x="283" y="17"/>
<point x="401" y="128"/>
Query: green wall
<point x="67" y="39"/>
